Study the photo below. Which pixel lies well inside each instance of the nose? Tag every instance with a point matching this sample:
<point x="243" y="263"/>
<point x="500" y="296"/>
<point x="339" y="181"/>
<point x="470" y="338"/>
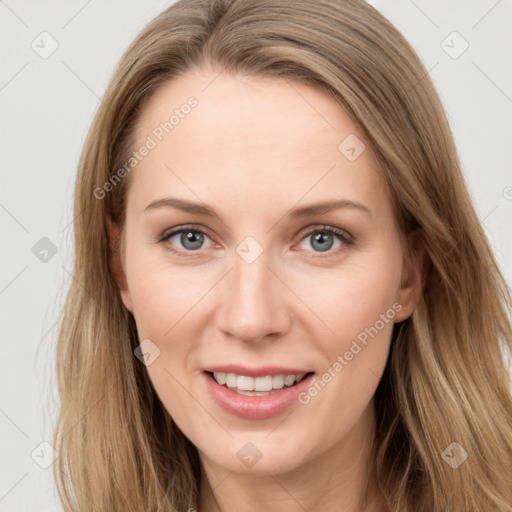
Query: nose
<point x="254" y="302"/>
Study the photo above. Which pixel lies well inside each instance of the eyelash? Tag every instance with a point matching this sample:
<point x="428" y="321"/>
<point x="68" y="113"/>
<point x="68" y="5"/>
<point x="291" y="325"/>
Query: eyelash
<point x="346" y="239"/>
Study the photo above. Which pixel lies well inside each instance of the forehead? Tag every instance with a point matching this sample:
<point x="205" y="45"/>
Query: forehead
<point x="250" y="139"/>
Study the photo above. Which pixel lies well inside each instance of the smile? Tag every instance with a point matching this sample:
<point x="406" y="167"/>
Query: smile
<point x="256" y="386"/>
<point x="257" y="397"/>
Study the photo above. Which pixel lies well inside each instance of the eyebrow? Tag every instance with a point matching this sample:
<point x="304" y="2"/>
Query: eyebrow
<point x="298" y="213"/>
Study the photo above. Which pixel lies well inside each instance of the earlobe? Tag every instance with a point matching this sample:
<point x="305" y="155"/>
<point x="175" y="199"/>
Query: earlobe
<point x="413" y="279"/>
<point x="116" y="263"/>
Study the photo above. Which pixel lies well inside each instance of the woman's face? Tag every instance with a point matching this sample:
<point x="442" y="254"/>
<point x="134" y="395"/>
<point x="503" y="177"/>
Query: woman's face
<point x="263" y="283"/>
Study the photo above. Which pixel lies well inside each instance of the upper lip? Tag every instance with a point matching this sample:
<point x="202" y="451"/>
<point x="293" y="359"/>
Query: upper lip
<point x="260" y="371"/>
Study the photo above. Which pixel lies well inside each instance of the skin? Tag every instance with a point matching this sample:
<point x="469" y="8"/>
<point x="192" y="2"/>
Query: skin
<point x="254" y="149"/>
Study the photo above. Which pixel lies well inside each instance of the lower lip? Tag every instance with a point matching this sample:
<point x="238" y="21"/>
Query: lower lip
<point x="255" y="407"/>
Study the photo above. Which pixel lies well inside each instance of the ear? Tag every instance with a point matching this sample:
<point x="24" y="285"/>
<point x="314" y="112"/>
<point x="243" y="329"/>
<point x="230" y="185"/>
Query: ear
<point x="413" y="277"/>
<point x="116" y="263"/>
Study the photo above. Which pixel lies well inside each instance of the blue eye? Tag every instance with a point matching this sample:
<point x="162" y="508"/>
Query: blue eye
<point x="191" y="239"/>
<point x="326" y="238"/>
<point x="323" y="239"/>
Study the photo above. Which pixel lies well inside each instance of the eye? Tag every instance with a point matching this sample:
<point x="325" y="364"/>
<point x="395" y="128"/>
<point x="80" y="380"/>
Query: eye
<point x="322" y="239"/>
<point x="326" y="239"/>
<point x="186" y="238"/>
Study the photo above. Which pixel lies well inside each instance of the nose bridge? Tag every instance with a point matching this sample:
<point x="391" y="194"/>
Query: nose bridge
<point x="254" y="305"/>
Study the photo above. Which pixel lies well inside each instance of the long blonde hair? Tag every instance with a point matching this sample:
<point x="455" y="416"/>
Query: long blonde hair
<point x="446" y="379"/>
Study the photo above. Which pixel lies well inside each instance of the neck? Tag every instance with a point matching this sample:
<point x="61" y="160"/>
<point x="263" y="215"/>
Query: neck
<point x="336" y="480"/>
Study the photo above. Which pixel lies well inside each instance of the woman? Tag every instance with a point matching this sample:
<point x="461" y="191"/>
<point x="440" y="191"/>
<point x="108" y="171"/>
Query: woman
<point x="282" y="297"/>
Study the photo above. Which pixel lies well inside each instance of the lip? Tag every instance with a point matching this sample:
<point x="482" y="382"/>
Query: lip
<point x="256" y="407"/>
<point x="260" y="371"/>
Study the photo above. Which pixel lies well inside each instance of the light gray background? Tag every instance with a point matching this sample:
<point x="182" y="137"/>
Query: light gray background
<point x="46" y="108"/>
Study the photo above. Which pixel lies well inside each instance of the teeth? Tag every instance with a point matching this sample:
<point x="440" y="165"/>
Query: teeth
<point x="263" y="383"/>
<point x="258" y="384"/>
<point x="220" y="378"/>
<point x="289" y="380"/>
<point x="278" y="381"/>
<point x="245" y="383"/>
<point x="251" y="393"/>
<point x="230" y="379"/>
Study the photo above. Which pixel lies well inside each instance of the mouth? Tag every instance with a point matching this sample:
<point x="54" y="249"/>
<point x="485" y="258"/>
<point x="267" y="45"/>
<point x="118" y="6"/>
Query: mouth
<point x="257" y="386"/>
<point x="268" y="392"/>
<point x="256" y="393"/>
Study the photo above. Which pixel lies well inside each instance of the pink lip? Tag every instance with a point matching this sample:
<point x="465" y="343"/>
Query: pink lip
<point x="256" y="407"/>
<point x="261" y="371"/>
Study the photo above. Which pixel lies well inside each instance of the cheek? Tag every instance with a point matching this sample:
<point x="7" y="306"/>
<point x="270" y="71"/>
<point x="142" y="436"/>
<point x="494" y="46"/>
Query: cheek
<point x="360" y="309"/>
<point x="166" y="305"/>
<point x="357" y="303"/>
<point x="351" y="299"/>
<point x="363" y="298"/>
<point x="162" y="295"/>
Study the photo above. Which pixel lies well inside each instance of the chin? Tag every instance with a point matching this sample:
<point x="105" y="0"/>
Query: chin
<point x="257" y="457"/>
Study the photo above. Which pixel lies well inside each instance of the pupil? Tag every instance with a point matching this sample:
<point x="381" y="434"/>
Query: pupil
<point x="320" y="238"/>
<point x="192" y="240"/>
